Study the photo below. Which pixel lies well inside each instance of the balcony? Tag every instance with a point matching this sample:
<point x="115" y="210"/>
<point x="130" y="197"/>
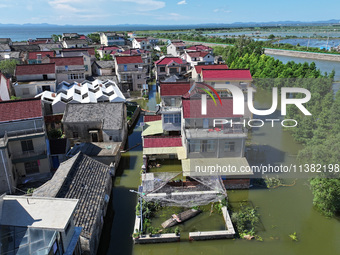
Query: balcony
<point x="216" y="133"/>
<point x="22" y="156"/>
<point x="24" y="133"/>
<point x="82" y="70"/>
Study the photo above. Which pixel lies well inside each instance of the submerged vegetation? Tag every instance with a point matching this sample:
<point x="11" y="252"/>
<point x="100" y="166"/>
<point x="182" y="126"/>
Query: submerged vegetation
<point x="245" y="220"/>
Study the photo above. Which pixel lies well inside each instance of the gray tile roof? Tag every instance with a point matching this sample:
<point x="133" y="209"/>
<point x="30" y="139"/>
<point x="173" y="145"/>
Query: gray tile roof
<point x="5" y="47"/>
<point x="110" y="114"/>
<point x="83" y="178"/>
<point x="76" y="41"/>
<point x="105" y="64"/>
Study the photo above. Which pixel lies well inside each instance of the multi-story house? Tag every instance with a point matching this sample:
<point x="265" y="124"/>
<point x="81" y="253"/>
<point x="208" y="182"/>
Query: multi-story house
<point x="38" y="57"/>
<point x="197" y="70"/>
<point x="145" y="54"/>
<point x="23" y="143"/>
<point x="198" y="58"/>
<point x="199" y="47"/>
<point x="100" y="122"/>
<point x="131" y="72"/>
<point x="218" y="145"/>
<point x="71" y="69"/>
<point x="175" y="48"/>
<point x="36" y="225"/>
<point x="141" y="43"/>
<point x="108" y="50"/>
<point x="75" y="43"/>
<point x="168" y="66"/>
<point x="111" y="38"/>
<point x="34" y="79"/>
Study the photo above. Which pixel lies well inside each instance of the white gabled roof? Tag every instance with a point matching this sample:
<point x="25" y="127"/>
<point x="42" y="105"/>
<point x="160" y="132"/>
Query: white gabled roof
<point x="85" y="92"/>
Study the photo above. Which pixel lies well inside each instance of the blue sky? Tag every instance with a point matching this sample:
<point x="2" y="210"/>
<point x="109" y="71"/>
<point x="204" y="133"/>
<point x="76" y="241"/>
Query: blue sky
<point x="163" y="12"/>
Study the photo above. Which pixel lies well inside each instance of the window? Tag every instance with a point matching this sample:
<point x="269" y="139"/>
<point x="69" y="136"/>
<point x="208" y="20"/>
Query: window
<point x="27" y="145"/>
<point x="38" y="56"/>
<point x="76" y="76"/>
<point x="139" y="76"/>
<point x="86" y="67"/>
<point x="31" y="167"/>
<point x="125" y="68"/>
<point x="211" y="146"/>
<point x="183" y="69"/>
<point x="205" y="123"/>
<point x="227" y="82"/>
<point x="208" y="145"/>
<point x="173" y="70"/>
<point x="75" y="135"/>
<point x="229" y="146"/>
<point x="139" y="86"/>
<point x="213" y="83"/>
<point x="172" y="118"/>
<point x="136" y="66"/>
<point x="66" y="68"/>
<point x="195" y="146"/>
<point x="162" y="69"/>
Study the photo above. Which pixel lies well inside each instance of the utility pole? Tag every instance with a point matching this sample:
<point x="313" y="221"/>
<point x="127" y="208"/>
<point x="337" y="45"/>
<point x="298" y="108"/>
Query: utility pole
<point x="140" y="193"/>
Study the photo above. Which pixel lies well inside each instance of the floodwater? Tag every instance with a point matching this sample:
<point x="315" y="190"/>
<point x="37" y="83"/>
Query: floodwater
<point x="283" y="211"/>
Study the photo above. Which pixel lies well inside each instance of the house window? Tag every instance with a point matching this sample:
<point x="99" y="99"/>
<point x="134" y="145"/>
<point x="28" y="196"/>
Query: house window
<point x="227" y="82"/>
<point x="173" y="70"/>
<point x="125" y="68"/>
<point x="173" y="101"/>
<point x="229" y="146"/>
<point x="183" y="69"/>
<point x="195" y="146"/>
<point x="38" y="56"/>
<point x="208" y="146"/>
<point x="27" y="145"/>
<point x="162" y="69"/>
<point x="211" y="146"/>
<point x="139" y="86"/>
<point x="213" y="83"/>
<point x="172" y="118"/>
<point x="139" y="76"/>
<point x="66" y="68"/>
<point x="31" y="167"/>
<point x="136" y="66"/>
<point x="86" y="67"/>
<point x="75" y="135"/>
<point x="205" y="123"/>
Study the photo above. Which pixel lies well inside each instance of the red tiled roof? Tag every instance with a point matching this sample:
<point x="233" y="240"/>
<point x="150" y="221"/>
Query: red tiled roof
<point x="20" y="109"/>
<point x="148" y="118"/>
<point x="200" y="67"/>
<point x="132" y="52"/>
<point x="140" y="39"/>
<point x="90" y="50"/>
<point x="35" y="69"/>
<point x="192" y="109"/>
<point x="33" y="54"/>
<point x="199" y="48"/>
<point x="229" y="74"/>
<point x="128" y="59"/>
<point x="167" y="60"/>
<point x="67" y="61"/>
<point x="109" y="48"/>
<point x="174" y="88"/>
<point x="196" y="54"/>
<point x="82" y="37"/>
<point x="178" y="44"/>
<point x="161" y="141"/>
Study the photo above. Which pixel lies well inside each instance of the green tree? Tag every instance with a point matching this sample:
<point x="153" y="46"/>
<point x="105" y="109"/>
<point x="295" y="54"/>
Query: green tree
<point x="107" y="57"/>
<point x="271" y="37"/>
<point x="8" y="66"/>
